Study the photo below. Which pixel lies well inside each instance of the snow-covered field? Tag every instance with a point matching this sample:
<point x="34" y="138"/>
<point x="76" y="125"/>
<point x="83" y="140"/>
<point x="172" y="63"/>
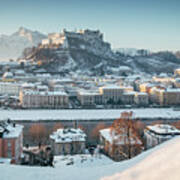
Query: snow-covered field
<point x="161" y="162"/>
<point x="103" y="114"/>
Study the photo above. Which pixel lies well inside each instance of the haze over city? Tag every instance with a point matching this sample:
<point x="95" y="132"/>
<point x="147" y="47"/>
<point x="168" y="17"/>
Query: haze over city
<point x="143" y="24"/>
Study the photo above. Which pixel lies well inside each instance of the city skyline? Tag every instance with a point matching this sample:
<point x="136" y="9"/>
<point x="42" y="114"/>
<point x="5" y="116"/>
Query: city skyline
<point x="125" y="24"/>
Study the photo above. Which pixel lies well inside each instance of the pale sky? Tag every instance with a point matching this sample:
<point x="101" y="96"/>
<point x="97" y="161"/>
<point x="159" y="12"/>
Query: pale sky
<point x="153" y="25"/>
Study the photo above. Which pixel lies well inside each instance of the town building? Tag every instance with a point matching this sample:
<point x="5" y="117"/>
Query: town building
<point x="146" y="87"/>
<point x="155" y="95"/>
<point x="68" y="141"/>
<point x="115" y="145"/>
<point x="128" y="97"/>
<point x="8" y="77"/>
<point x="177" y="72"/>
<point x="177" y="83"/>
<point x="89" y="98"/>
<point x="11" y="141"/>
<point x="44" y="99"/>
<point x="111" y="94"/>
<point x="141" y="99"/>
<point x="10" y="88"/>
<point x="169" y="96"/>
<point x="156" y="134"/>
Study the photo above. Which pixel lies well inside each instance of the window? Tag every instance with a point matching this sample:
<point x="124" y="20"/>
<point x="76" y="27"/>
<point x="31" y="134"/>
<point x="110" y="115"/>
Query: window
<point x="9" y="153"/>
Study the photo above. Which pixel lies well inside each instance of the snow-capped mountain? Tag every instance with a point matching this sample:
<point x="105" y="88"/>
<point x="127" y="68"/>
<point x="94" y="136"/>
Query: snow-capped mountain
<point x="12" y="46"/>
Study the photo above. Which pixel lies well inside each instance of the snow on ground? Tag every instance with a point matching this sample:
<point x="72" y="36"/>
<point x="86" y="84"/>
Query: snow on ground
<point x="161" y="162"/>
<point x="103" y="114"/>
<point x="82" y="161"/>
<point x="79" y="171"/>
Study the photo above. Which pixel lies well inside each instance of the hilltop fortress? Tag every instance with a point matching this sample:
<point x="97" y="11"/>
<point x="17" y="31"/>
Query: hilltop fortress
<point x="82" y="40"/>
<point x="61" y="38"/>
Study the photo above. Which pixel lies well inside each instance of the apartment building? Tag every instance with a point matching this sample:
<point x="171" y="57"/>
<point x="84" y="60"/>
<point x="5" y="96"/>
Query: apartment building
<point x="89" y="98"/>
<point x="47" y="99"/>
<point x="128" y="97"/>
<point x="169" y="97"/>
<point x="111" y="93"/>
<point x="10" y="88"/>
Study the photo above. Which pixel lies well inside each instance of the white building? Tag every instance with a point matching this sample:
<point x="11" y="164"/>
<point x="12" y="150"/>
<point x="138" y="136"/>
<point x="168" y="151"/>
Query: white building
<point x="128" y="97"/>
<point x="7" y="75"/>
<point x="111" y="93"/>
<point x="44" y="99"/>
<point x="159" y="133"/>
<point x="68" y="141"/>
<point x="141" y="99"/>
<point x="10" y="88"/>
<point x="89" y="98"/>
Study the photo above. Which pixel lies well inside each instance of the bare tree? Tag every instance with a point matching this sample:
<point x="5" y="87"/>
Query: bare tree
<point x="126" y="140"/>
<point x="176" y="124"/>
<point x="139" y="126"/>
<point x="82" y="128"/>
<point x="157" y="122"/>
<point x="95" y="131"/>
<point x="57" y="126"/>
<point x="38" y="133"/>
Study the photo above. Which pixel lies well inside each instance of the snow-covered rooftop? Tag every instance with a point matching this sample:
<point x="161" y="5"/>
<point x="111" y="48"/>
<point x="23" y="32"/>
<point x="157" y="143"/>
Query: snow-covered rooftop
<point x="163" y="129"/>
<point x="10" y="130"/>
<point x="141" y="94"/>
<point x="45" y="93"/>
<point x="8" y="75"/>
<point x="173" y="90"/>
<point x="28" y="85"/>
<point x="88" y="93"/>
<point x="111" y="137"/>
<point x="129" y="93"/>
<point x="68" y="135"/>
<point x="113" y="86"/>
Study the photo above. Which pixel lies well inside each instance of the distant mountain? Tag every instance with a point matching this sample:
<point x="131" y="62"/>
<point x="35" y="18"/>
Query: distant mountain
<point x="12" y="46"/>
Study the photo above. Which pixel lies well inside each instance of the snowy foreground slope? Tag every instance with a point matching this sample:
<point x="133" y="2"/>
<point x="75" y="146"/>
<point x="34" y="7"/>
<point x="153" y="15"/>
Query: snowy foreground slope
<point x="161" y="162"/>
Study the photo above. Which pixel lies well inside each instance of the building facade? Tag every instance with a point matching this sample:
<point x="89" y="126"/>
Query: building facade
<point x="159" y="133"/>
<point x="116" y="147"/>
<point x="141" y="99"/>
<point x="11" y="141"/>
<point x="36" y="99"/>
<point x="10" y="88"/>
<point x="111" y="93"/>
<point x="68" y="141"/>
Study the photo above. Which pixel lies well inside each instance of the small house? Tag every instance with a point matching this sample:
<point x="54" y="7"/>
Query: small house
<point x="68" y="141"/>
